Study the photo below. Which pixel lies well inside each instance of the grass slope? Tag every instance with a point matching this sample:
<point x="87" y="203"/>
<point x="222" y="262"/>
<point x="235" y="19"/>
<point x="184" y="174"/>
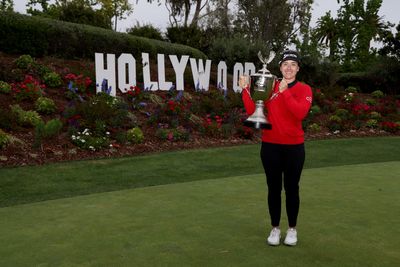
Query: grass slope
<point x="348" y="217"/>
<point x="39" y="183"/>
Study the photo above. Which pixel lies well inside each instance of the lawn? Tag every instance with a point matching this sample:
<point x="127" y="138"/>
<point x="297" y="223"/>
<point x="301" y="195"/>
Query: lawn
<point x="348" y="218"/>
<point x="348" y="214"/>
<point x="53" y="181"/>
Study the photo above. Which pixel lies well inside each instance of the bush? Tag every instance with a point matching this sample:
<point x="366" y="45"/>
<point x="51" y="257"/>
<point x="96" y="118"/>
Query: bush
<point x="343" y="114"/>
<point x="371" y="123"/>
<point x="351" y="89"/>
<point x="45" y="105"/>
<point x="52" y="79"/>
<point x="86" y="140"/>
<point x="375" y="115"/>
<point x="377" y="94"/>
<point x="135" y="135"/>
<point x="391" y="127"/>
<point x="24" y="62"/>
<point x="314" y="127"/>
<point x="147" y="31"/>
<point x="26" y="118"/>
<point x="174" y="134"/>
<point x="38" y="36"/>
<point x="5" y="88"/>
<point x="28" y="89"/>
<point x="48" y="130"/>
<point x="8" y="120"/>
<point x="4" y="139"/>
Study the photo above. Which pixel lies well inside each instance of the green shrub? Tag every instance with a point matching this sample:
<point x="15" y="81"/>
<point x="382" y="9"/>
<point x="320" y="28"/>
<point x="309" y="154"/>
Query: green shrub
<point x="46" y="131"/>
<point x="174" y="134"/>
<point x="371" y="123"/>
<point x="314" y="127"/>
<point x="52" y="79"/>
<point x="335" y="123"/>
<point x="335" y="118"/>
<point x="45" y="105"/>
<point x="135" y="135"/>
<point x="4" y="139"/>
<point x="102" y="111"/>
<point x="86" y="140"/>
<point x="39" y="36"/>
<point x="8" y="120"/>
<point x="315" y="110"/>
<point x="370" y="102"/>
<point x="26" y="118"/>
<point x="375" y="115"/>
<point x="147" y="31"/>
<point x="377" y="94"/>
<point x="343" y="114"/>
<point x="24" y="62"/>
<point x="52" y="128"/>
<point x="5" y="88"/>
<point x="351" y="89"/>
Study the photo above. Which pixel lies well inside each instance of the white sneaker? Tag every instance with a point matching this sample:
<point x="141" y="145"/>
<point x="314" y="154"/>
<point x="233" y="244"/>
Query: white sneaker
<point x="274" y="237"/>
<point x="291" y="237"/>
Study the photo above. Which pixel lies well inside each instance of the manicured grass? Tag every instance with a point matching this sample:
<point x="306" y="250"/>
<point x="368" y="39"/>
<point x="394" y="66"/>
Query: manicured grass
<point x="39" y="183"/>
<point x="349" y="217"/>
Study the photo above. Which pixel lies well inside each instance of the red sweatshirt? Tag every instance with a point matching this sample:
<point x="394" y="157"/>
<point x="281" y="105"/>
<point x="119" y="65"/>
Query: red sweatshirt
<point x="286" y="112"/>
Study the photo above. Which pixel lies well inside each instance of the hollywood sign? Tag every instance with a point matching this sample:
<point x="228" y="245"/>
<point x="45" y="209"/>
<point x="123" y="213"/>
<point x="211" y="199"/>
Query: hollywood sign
<point x="125" y="66"/>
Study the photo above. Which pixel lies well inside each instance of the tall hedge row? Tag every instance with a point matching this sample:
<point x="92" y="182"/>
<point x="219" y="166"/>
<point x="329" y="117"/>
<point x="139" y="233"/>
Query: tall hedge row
<point x="37" y="36"/>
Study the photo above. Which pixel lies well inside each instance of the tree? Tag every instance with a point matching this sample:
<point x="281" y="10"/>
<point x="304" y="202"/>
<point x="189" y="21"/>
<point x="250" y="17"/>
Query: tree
<point x="369" y="26"/>
<point x="220" y="18"/>
<point x="327" y="33"/>
<point x="117" y="9"/>
<point x="358" y="24"/>
<point x="274" y="22"/>
<point x="92" y="12"/>
<point x="391" y="43"/>
<point x="6" y="5"/>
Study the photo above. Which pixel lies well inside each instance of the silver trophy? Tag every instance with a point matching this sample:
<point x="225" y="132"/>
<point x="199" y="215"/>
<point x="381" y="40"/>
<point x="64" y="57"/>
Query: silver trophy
<point x="261" y="85"/>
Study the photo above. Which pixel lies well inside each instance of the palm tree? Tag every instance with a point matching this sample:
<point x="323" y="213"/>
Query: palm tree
<point x="369" y="25"/>
<point x="327" y="32"/>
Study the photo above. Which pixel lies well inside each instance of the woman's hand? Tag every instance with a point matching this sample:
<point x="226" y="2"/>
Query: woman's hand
<point x="283" y="85"/>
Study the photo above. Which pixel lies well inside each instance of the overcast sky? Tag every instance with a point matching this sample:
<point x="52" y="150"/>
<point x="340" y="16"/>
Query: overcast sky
<point x="146" y="13"/>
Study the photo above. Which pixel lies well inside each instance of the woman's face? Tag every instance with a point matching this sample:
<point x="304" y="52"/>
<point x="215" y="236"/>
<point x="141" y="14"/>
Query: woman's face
<point x="289" y="69"/>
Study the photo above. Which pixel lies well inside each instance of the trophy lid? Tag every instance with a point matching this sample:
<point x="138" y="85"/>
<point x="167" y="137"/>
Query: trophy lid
<point x="264" y="71"/>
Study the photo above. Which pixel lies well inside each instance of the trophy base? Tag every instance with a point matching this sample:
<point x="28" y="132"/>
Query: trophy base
<point x="258" y="125"/>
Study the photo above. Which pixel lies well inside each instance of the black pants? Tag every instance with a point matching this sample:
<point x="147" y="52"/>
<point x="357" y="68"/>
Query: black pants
<point x="283" y="162"/>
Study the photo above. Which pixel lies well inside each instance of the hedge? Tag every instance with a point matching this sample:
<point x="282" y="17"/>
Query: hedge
<point x="38" y="36"/>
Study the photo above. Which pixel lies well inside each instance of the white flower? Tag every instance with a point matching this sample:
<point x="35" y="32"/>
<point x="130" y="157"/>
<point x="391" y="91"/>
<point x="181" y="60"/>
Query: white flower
<point x="107" y="133"/>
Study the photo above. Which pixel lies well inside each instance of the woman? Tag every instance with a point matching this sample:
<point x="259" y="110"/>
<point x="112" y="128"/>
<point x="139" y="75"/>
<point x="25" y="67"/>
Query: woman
<point x="282" y="149"/>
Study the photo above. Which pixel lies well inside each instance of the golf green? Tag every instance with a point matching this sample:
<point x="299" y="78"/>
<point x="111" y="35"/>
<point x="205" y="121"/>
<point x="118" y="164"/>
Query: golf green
<point x="348" y="217"/>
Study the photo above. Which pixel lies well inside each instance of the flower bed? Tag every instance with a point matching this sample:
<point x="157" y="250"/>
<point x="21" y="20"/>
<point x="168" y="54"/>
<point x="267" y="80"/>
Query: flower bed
<point x="50" y="112"/>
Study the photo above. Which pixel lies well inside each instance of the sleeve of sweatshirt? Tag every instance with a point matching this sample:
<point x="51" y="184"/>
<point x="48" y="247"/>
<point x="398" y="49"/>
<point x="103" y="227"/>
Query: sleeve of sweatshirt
<point x="300" y="105"/>
<point x="248" y="102"/>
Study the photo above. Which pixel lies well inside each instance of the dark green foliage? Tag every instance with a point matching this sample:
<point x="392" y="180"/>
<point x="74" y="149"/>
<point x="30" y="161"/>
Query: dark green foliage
<point x="46" y="131"/>
<point x="52" y="79"/>
<point x="147" y="31"/>
<point x="383" y="75"/>
<point x="235" y="49"/>
<point x="38" y="37"/>
<point x="45" y="105"/>
<point x="8" y="119"/>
